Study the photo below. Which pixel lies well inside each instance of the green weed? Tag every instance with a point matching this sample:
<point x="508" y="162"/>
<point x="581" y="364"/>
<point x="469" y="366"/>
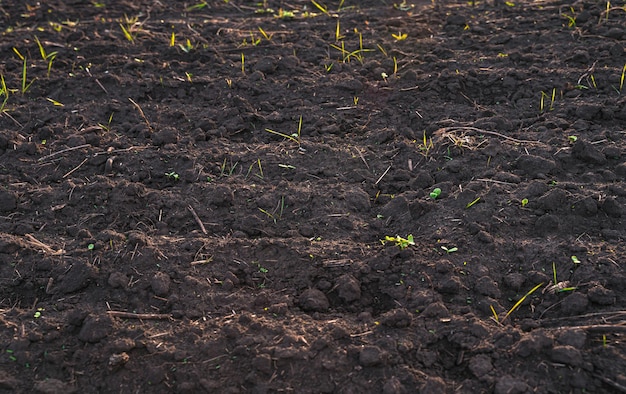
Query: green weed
<point x="435" y="193"/>
<point x="450" y="250"/>
<point x="545" y="95"/>
<point x="398" y="241"/>
<point x="25" y="85"/>
<point x="517" y="304"/>
<point x="227" y="169"/>
<point x="277" y="213"/>
<point x="48" y="57"/>
<point x="259" y="166"/>
<point x="295" y="137"/>
<point x="3" y="92"/>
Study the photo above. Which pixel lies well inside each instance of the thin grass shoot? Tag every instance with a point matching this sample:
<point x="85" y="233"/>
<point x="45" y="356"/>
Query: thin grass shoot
<point x="521" y="300"/>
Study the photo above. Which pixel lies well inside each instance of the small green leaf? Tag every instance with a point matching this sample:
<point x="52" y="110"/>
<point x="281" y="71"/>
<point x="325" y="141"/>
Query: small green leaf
<point x="435" y="193"/>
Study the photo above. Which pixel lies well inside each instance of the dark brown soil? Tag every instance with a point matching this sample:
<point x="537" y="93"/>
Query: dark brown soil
<point x="156" y="237"/>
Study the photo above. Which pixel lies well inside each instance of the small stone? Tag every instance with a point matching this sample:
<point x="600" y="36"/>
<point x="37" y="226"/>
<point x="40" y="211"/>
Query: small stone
<point x="487" y="286"/>
<point x="160" y="284"/>
<point x="584" y="151"/>
<point x="480" y="365"/>
<point x="574" y="337"/>
<point x="370" y="356"/>
<point x="394" y="386"/>
<point x="574" y="304"/>
<point x="95" y="328"/>
<point x="601" y="295"/>
<point x="433" y="385"/>
<point x="566" y="355"/>
<point x="8" y="201"/>
<point x="53" y="386"/>
<point x="313" y="300"/>
<point x="398" y="318"/>
<point x="509" y="385"/>
<point x="262" y="363"/>
<point x="348" y="288"/>
<point x="119" y="359"/>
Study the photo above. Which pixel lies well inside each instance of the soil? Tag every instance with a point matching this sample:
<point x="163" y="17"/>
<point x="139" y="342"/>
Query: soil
<point x="237" y="196"/>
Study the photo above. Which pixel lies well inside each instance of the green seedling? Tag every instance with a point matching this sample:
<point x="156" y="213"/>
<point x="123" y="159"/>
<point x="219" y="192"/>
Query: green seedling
<point x="558" y="287"/>
<point x="572" y="138"/>
<point x="575" y="260"/>
<point x="295" y="137"/>
<point x="400" y="242"/>
<point x="381" y="49"/>
<point x="11" y="356"/>
<point x="49" y="57"/>
<point x="127" y="34"/>
<point x="267" y="36"/>
<point x="37" y="313"/>
<point x="243" y="64"/>
<point x="172" y="175"/>
<point x="571" y="19"/>
<point x="107" y="127"/>
<point x="524" y="202"/>
<point x="621" y="80"/>
<point x="338" y="36"/>
<point x="196" y="7"/>
<point x="321" y="7"/>
<point x="277" y="213"/>
<point x="450" y="250"/>
<point x="25" y="86"/>
<point x="395" y="65"/>
<point x="258" y="164"/>
<point x="495" y="314"/>
<point x="187" y="47"/>
<point x="426" y="145"/>
<point x="3" y="92"/>
<point x="435" y="193"/>
<point x="285" y="14"/>
<point x="227" y="170"/>
<point x="55" y="103"/>
<point x="518" y="303"/>
<point x="545" y="95"/>
<point x="130" y="27"/>
<point x="470" y="204"/>
<point x="173" y="39"/>
<point x="400" y="36"/>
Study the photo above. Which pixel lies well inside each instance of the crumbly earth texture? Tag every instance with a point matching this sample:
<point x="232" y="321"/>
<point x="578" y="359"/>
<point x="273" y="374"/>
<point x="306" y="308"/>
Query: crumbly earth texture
<point x="312" y="197"/>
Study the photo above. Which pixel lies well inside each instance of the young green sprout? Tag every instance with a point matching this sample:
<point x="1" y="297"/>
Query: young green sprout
<point x="518" y="303"/>
<point x="524" y="202"/>
<point x="435" y="193"/>
<point x="400" y="36"/>
<point x="3" y="92"/>
<point x="49" y="57"/>
<point x="267" y="36"/>
<point x="450" y="250"/>
<point x="621" y="80"/>
<point x="295" y="137"/>
<point x="470" y="204"/>
<point x="25" y="85"/>
<point x="400" y="242"/>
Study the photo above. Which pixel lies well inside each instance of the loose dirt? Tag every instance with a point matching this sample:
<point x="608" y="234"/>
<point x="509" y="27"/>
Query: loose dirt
<point x="238" y="196"/>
